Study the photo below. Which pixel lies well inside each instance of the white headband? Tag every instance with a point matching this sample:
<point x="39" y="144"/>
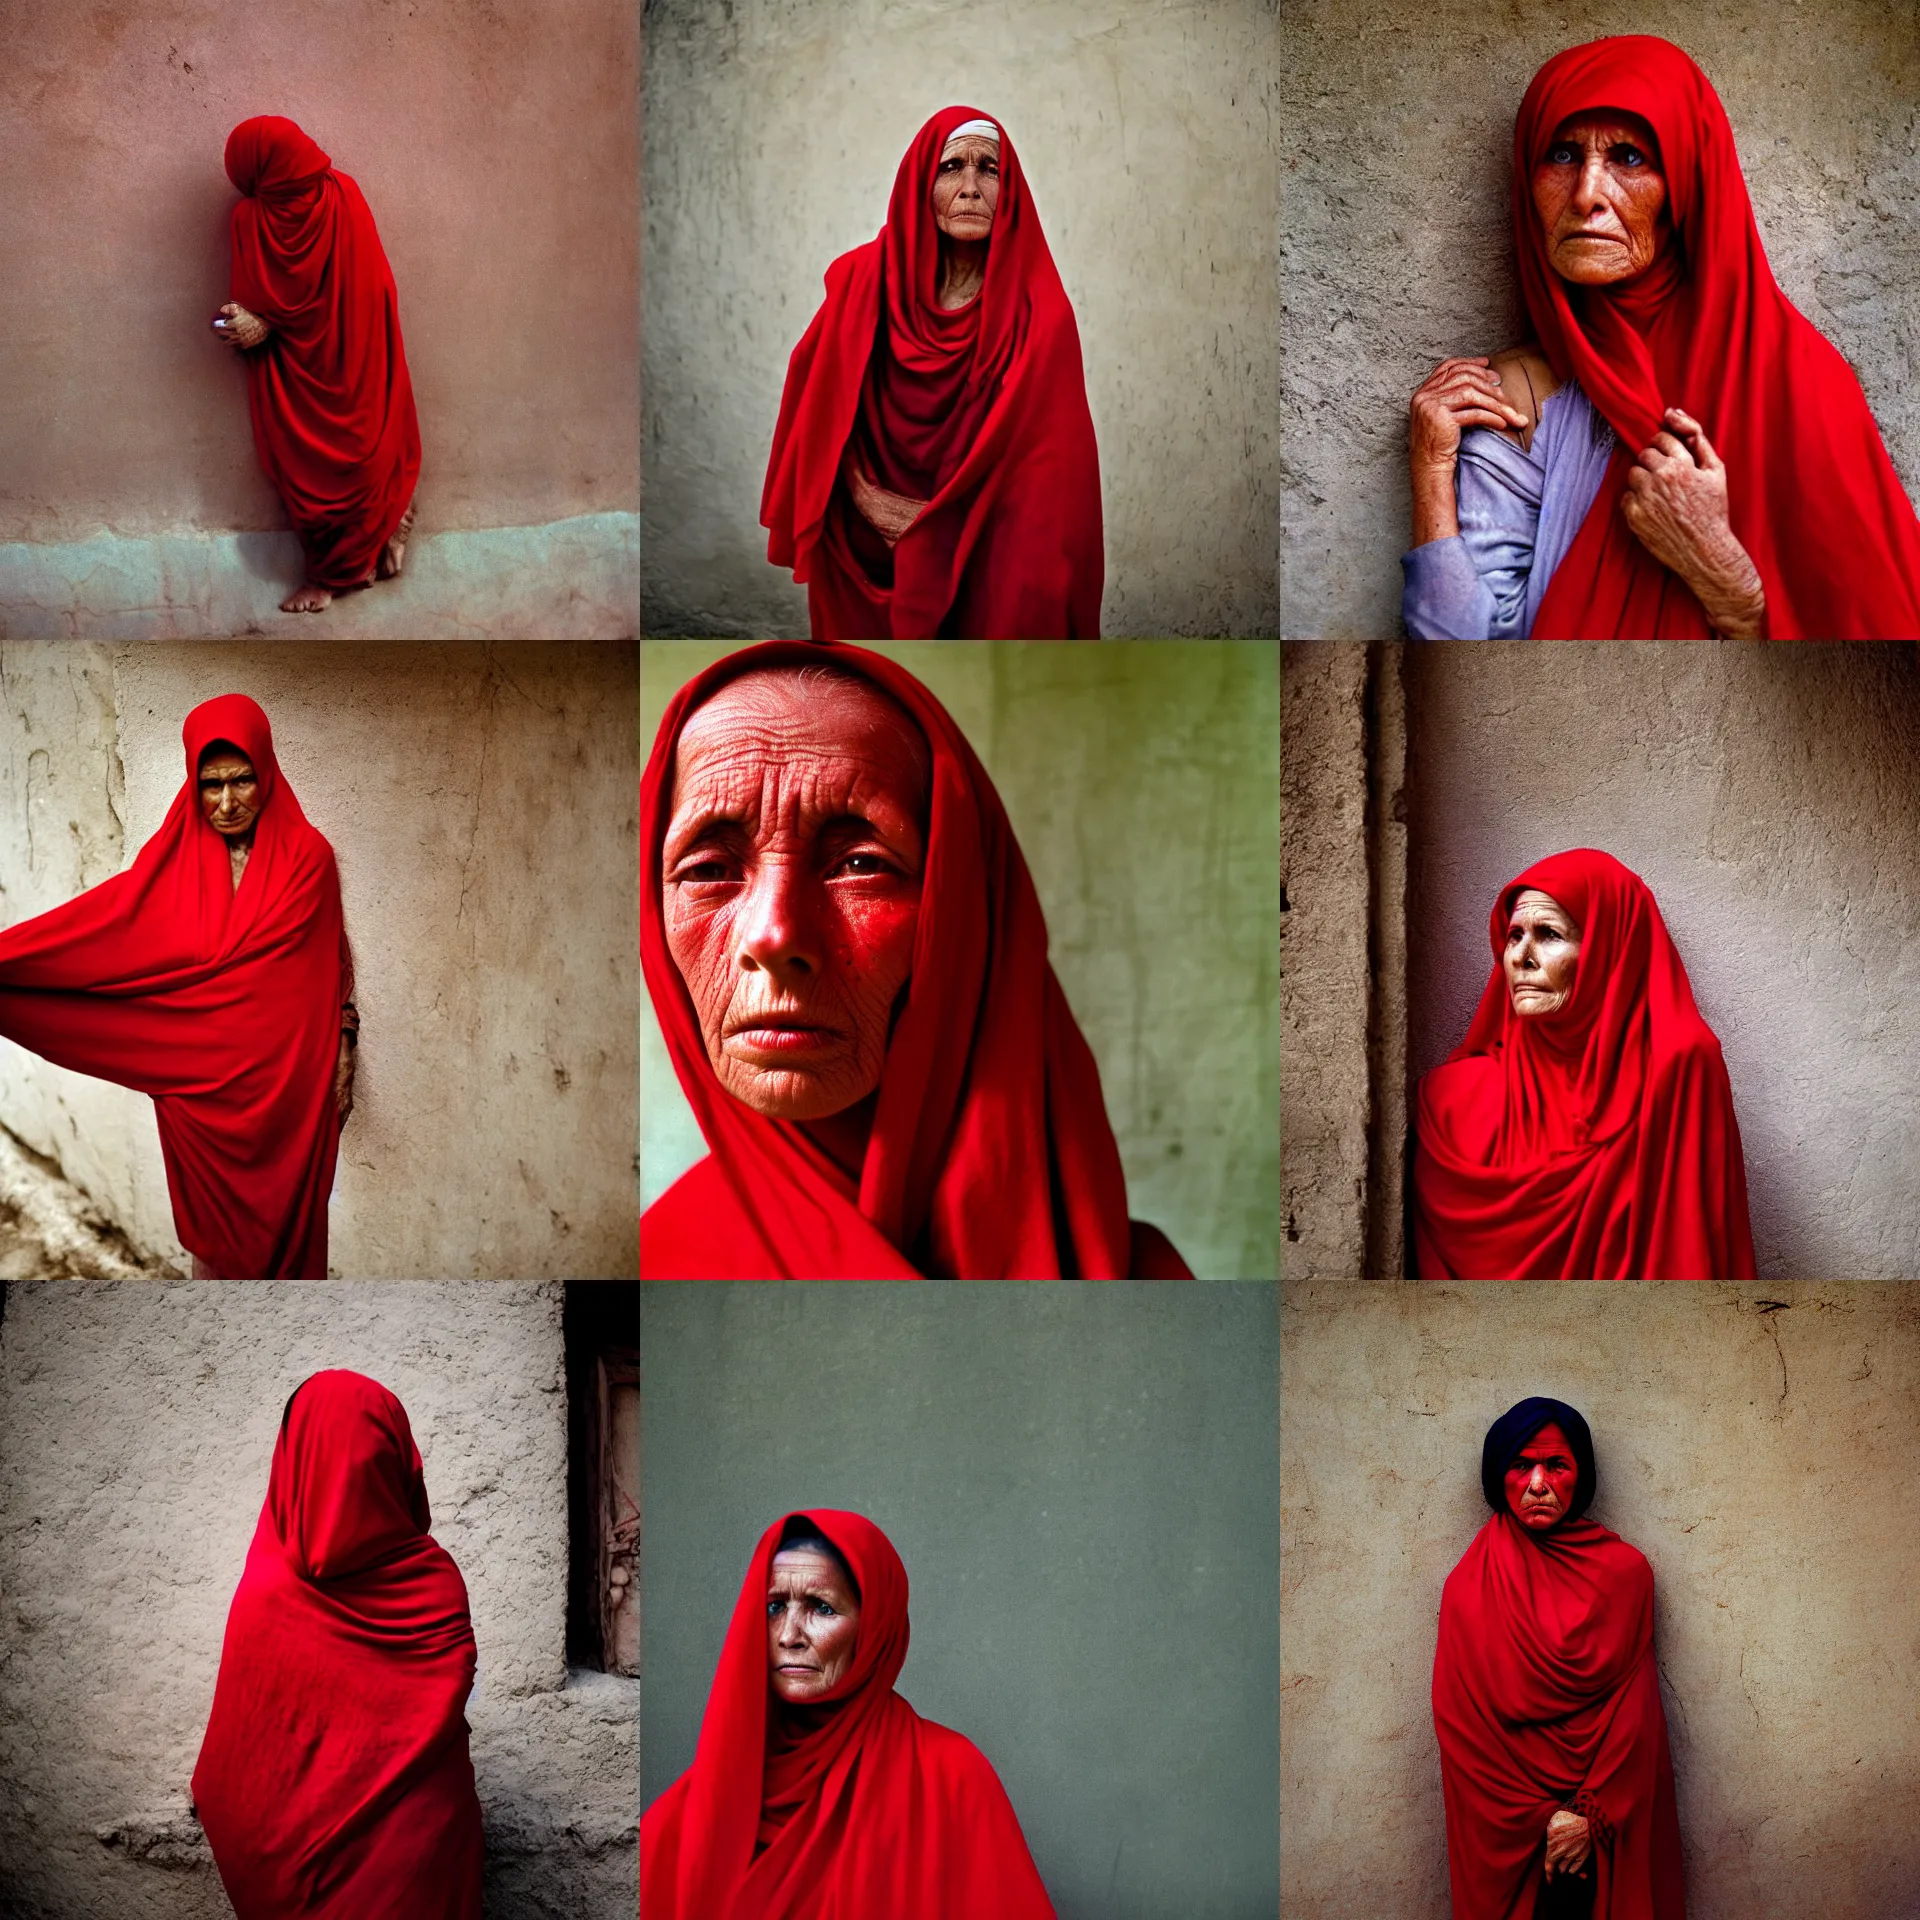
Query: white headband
<point x="984" y="128"/>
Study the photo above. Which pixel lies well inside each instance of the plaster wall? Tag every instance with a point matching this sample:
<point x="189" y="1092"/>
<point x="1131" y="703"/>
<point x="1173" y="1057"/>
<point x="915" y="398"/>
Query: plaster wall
<point x="1142" y="784"/>
<point x="478" y="799"/>
<point x="136" y="1430"/>
<point x="1395" y="160"/>
<point x="774" y="132"/>
<point x="1752" y="1442"/>
<point x="1079" y="1479"/>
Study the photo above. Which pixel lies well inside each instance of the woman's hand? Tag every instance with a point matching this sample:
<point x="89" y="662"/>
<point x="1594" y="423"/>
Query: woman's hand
<point x="1458" y="394"/>
<point x="1676" y="506"/>
<point x="343" y="1079"/>
<point x="243" y="329"/>
<point x="1569" y="1843"/>
<point x="889" y="514"/>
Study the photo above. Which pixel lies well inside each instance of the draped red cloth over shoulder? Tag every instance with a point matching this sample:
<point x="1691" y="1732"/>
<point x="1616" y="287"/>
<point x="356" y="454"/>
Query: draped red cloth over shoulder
<point x="329" y="392"/>
<point x="1814" y="498"/>
<point x="222" y="1005"/>
<point x="854" y="1810"/>
<point x="334" y="1781"/>
<point x="1598" y="1143"/>
<point x="981" y="412"/>
<point x="990" y="1157"/>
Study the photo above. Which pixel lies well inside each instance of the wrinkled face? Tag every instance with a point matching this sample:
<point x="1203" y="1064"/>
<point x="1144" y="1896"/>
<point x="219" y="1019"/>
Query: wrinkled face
<point x="966" y="190"/>
<point x="790" y="884"/>
<point x="813" y="1620"/>
<point x="1602" y="198"/>
<point x="229" y="793"/>
<point x="1542" y="955"/>
<point x="1542" y="1480"/>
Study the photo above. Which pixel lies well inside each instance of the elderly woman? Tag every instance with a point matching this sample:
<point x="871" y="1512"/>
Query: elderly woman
<point x="334" y="1778"/>
<point x="214" y="975"/>
<point x="1584" y="1128"/>
<point x="317" y="317"/>
<point x="816" y="1792"/>
<point x="934" y="470"/>
<point x="1546" y="1697"/>
<point x="1678" y="452"/>
<point x="849" y="964"/>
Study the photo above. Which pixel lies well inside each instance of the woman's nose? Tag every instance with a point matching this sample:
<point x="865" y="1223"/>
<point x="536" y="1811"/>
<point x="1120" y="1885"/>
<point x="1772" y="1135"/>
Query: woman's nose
<point x="774" y="926"/>
<point x="1593" y="177"/>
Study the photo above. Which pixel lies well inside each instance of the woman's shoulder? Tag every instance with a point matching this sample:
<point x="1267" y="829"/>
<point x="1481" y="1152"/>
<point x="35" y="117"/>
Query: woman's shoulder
<point x="960" y="1766"/>
<point x="1527" y="383"/>
<point x="691" y="1231"/>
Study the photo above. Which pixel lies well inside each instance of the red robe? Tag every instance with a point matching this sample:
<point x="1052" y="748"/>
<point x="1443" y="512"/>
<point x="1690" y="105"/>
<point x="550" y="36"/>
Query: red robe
<point x="981" y="412"/>
<point x="334" y="1781"/>
<point x="854" y="1810"/>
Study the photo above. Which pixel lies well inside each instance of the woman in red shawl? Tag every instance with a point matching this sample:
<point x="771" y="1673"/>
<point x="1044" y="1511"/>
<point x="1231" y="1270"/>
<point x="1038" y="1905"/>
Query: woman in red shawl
<point x="1584" y="1128"/>
<point x="316" y="313"/>
<point x="849" y="965"/>
<point x="1546" y="1697"/>
<point x="816" y="1792"/>
<point x="934" y="472"/>
<point x="1678" y="452"/>
<point x="213" y="975"/>
<point x="334" y="1781"/>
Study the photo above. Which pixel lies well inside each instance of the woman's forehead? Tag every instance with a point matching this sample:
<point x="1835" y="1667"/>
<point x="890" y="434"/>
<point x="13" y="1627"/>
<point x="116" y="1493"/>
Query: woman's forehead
<point x="1530" y="904"/>
<point x="1610" y="123"/>
<point x="1549" y="1439"/>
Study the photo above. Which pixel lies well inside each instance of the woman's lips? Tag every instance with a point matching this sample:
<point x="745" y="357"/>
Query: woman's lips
<point x="783" y="1037"/>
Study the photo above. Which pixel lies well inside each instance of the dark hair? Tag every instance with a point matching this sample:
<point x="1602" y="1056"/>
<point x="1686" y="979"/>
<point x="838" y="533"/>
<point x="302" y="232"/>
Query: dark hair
<point x="1515" y="1428"/>
<point x="215" y="748"/>
<point x="802" y="1531"/>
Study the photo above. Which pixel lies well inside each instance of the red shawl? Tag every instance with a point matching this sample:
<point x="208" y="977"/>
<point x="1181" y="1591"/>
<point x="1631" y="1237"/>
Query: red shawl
<point x="1546" y="1695"/>
<point x="222" y="1005"/>
<point x="329" y="392"/>
<point x="864" y="1811"/>
<point x="990" y="1157"/>
<point x="981" y="412"/>
<point x="1814" y="498"/>
<point x="1598" y="1143"/>
<point x="334" y="1781"/>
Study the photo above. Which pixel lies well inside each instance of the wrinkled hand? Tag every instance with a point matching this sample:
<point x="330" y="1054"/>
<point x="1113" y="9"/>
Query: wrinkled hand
<point x="1458" y="394"/>
<point x="889" y="514"/>
<point x="343" y="1080"/>
<point x="243" y="329"/>
<point x="1569" y="1843"/>
<point x="1676" y="506"/>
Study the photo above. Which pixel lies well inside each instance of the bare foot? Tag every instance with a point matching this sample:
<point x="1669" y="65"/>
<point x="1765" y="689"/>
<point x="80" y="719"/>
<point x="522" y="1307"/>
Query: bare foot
<point x="307" y="599"/>
<point x="395" y="556"/>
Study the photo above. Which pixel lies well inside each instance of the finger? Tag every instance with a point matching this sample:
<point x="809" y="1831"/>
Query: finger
<point x="1472" y="397"/>
<point x="1704" y="451"/>
<point x="1673" y="447"/>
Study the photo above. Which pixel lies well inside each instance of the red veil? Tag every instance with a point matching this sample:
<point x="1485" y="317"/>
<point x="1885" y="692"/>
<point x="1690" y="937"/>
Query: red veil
<point x="1597" y="1144"/>
<point x="991" y="1157"/>
<point x="331" y="400"/>
<point x="222" y="1005"/>
<point x="1546" y="1695"/>
<point x="1814" y="498"/>
<point x="981" y="412"/>
<point x="334" y="1781"/>
<point x="856" y="1810"/>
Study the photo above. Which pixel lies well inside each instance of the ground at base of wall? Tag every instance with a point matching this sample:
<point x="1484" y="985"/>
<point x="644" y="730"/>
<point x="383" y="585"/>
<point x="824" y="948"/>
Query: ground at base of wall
<point x="50" y="1230"/>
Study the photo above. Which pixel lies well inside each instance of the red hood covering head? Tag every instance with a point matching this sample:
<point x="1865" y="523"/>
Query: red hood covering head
<point x="334" y="1781"/>
<point x="224" y="1006"/>
<point x="990" y="1156"/>
<point x="856" y="1809"/>
<point x="1598" y="1143"/>
<point x="982" y="412"/>
<point x="329" y="392"/>
<point x="1814" y="498"/>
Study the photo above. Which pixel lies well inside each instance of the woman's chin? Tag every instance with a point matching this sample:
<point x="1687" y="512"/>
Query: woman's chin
<point x="788" y="1093"/>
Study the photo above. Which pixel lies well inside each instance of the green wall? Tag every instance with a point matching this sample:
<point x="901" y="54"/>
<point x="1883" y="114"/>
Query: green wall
<point x="1084" y="1485"/>
<point x="1142" y="779"/>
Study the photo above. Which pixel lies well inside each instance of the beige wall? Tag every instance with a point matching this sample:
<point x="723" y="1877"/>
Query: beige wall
<point x="1755" y="1443"/>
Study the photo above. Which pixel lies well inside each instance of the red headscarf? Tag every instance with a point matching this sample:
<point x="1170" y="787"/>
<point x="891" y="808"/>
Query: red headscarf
<point x="990" y="1157"/>
<point x="334" y="1781"/>
<point x="1546" y="1696"/>
<point x="223" y="1005"/>
<point x="857" y="1809"/>
<point x="982" y="412"/>
<point x="1598" y="1143"/>
<point x="329" y="392"/>
<point x="1814" y="499"/>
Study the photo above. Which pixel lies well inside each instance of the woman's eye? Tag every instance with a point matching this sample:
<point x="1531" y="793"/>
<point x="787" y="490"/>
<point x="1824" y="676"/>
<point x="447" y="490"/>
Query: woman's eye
<point x="1631" y="156"/>
<point x="1562" y="156"/>
<point x="706" y="871"/>
<point x="820" y="1606"/>
<point x="862" y="864"/>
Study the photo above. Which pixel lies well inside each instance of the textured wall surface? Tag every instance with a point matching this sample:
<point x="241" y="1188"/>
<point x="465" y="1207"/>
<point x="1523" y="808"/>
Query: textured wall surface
<point x="774" y="130"/>
<point x="478" y="799"/>
<point x="1081" y="1481"/>
<point x="136" y="1430"/>
<point x="1142" y="784"/>
<point x="1754" y="1443"/>
<point x="1397" y="132"/>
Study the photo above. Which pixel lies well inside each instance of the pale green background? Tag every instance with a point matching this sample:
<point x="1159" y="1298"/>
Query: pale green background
<point x="1143" y="780"/>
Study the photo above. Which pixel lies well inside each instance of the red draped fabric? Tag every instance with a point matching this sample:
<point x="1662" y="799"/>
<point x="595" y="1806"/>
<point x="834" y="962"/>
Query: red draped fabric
<point x="224" y="1006"/>
<point x="982" y="412"/>
<point x="329" y="392"/>
<point x="334" y="1781"/>
<point x="1546" y="1695"/>
<point x="1598" y="1143"/>
<point x="991" y="1157"/>
<point x="857" y="1809"/>
<point x="1814" y="498"/>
